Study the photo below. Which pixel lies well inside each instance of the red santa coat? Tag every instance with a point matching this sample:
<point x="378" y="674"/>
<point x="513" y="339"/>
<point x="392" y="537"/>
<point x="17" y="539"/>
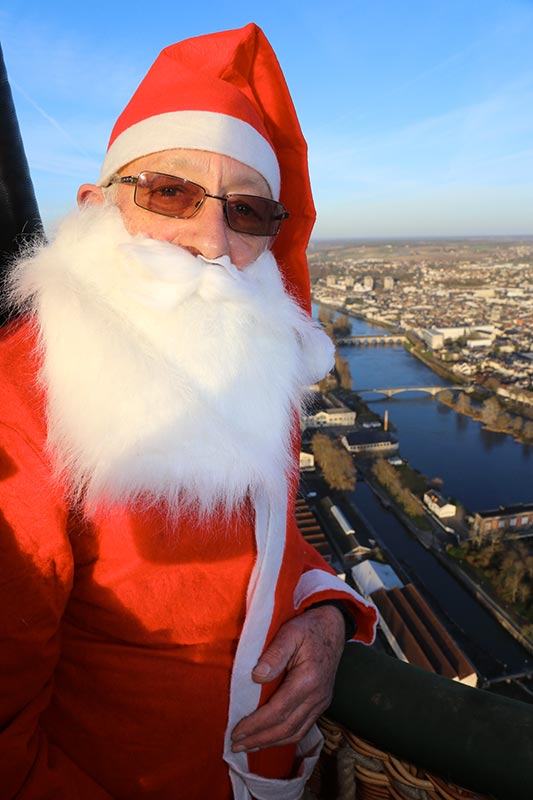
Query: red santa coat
<point x="128" y="641"/>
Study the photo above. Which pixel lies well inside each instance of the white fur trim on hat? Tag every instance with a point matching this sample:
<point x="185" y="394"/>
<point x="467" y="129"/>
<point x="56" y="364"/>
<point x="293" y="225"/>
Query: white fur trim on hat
<point x="195" y="130"/>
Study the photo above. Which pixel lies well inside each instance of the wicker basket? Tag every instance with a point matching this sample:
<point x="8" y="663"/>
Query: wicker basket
<point x="351" y="768"/>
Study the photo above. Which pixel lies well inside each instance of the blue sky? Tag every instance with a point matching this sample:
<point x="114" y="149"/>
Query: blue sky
<point x="418" y="114"/>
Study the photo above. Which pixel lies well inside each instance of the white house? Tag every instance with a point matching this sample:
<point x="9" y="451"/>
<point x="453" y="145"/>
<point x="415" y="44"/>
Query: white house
<point x="307" y="461"/>
<point x="369" y="576"/>
<point x="327" y="417"/>
<point x="438" y="505"/>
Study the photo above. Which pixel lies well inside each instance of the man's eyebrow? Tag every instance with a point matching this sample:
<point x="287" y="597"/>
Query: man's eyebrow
<point x="257" y="184"/>
<point x="182" y="166"/>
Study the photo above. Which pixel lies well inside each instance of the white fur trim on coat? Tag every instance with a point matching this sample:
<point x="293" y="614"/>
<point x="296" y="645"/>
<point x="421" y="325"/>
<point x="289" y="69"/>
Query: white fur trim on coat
<point x="270" y="532"/>
<point x="316" y="580"/>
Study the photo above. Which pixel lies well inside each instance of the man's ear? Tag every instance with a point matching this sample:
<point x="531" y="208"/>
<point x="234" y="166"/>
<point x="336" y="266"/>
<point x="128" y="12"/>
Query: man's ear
<point x="90" y="195"/>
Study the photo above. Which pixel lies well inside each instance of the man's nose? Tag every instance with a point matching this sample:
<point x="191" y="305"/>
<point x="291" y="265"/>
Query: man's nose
<point x="207" y="231"/>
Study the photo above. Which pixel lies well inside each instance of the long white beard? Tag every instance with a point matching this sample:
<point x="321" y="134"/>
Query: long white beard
<point x="167" y="377"/>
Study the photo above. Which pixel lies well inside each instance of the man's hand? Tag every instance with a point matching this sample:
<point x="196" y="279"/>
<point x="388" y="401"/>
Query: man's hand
<point x="309" y="648"/>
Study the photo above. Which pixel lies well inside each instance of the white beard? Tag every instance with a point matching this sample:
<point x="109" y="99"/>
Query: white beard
<point x="167" y="377"/>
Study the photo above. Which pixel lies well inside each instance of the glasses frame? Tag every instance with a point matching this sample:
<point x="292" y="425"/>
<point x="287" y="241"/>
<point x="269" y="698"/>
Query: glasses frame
<point x="133" y="180"/>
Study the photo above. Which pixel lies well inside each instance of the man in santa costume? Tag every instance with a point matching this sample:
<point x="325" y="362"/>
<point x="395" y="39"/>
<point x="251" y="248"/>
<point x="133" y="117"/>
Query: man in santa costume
<point x="165" y="630"/>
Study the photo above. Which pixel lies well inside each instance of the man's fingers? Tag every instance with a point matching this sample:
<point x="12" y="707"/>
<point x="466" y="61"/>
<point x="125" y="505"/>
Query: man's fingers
<point x="308" y="647"/>
<point x="276" y="657"/>
<point x="274" y="725"/>
<point x="287" y="716"/>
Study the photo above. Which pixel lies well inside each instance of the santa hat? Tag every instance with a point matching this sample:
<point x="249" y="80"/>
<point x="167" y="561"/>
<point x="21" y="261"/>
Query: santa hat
<point x="225" y="93"/>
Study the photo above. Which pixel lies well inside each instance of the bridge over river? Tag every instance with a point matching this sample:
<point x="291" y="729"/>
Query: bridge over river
<point x="391" y="391"/>
<point x="372" y="339"/>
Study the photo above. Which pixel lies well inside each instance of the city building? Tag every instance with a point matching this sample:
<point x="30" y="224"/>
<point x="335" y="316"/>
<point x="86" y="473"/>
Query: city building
<point x="504" y="520"/>
<point x="410" y="627"/>
<point x="369" y="441"/>
<point x="307" y="462"/>
<point x="369" y="576"/>
<point x="438" y="505"/>
<point x="311" y="529"/>
<point x="328" y="417"/>
<point x="480" y="340"/>
<point x="433" y="338"/>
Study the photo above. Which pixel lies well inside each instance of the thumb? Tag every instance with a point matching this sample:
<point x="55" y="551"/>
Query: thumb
<point x="275" y="658"/>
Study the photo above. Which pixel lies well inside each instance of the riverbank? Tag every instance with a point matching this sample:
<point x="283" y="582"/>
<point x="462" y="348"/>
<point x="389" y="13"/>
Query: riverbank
<point x="341" y="310"/>
<point x="435" y="366"/>
<point x="472" y="413"/>
<point x="435" y="542"/>
<point x="436" y="539"/>
<point x="414" y="346"/>
<point x="480" y="468"/>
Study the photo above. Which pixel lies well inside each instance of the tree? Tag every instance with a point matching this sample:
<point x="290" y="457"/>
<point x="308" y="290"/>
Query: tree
<point x="446" y="397"/>
<point x="490" y="411"/>
<point x="327" y="383"/>
<point x="342" y="326"/>
<point x="390" y="479"/>
<point x="513" y="572"/>
<point x="463" y="404"/>
<point x="335" y="462"/>
<point x="410" y="504"/>
<point x="344" y="374"/>
<point x="325" y="316"/>
<point x="505" y="421"/>
<point x="527" y="429"/>
<point x="387" y="475"/>
<point x="528" y="562"/>
<point x="489" y="553"/>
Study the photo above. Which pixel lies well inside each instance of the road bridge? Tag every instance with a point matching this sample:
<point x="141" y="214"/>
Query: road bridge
<point x="372" y="339"/>
<point x="391" y="391"/>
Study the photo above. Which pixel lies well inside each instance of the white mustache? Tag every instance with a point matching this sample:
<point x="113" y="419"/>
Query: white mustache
<point x="162" y="275"/>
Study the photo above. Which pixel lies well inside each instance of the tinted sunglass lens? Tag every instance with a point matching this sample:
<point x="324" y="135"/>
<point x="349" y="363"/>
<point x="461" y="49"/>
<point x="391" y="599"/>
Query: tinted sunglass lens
<point x="257" y="216"/>
<point x="168" y="194"/>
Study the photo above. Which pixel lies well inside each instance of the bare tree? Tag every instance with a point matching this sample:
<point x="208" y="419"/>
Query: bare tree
<point x="463" y="404"/>
<point x="335" y="462"/>
<point x="342" y="326"/>
<point x="512" y="574"/>
<point x="491" y="411"/>
<point x="527" y="429"/>
<point x="343" y="371"/>
<point x="446" y="397"/>
<point x="325" y="316"/>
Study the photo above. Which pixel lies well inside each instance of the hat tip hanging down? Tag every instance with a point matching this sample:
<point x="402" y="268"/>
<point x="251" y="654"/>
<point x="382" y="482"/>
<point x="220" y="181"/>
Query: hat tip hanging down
<point x="225" y="92"/>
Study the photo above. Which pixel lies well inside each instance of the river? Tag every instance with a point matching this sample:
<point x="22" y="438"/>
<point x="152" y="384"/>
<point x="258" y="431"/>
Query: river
<point x="479" y="468"/>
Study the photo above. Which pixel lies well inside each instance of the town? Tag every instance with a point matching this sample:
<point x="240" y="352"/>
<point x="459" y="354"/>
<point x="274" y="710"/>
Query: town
<point x="470" y="300"/>
<point x="466" y="309"/>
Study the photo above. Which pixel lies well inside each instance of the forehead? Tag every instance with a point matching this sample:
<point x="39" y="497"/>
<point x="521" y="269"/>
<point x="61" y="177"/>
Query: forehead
<point x="212" y="170"/>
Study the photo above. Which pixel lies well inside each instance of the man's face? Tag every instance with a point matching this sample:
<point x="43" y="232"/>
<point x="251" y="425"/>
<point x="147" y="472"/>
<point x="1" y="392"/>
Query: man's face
<point x="207" y="233"/>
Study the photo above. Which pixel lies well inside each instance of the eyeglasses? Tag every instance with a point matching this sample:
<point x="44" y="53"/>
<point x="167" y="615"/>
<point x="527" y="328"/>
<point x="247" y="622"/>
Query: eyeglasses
<point x="180" y="198"/>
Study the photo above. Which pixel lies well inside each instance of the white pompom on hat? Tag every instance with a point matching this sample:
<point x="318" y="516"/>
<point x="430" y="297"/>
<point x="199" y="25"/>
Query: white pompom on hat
<point x="225" y="93"/>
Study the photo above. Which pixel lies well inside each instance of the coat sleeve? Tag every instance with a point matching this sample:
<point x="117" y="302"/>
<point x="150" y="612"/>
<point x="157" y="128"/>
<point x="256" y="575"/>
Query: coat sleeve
<point x="318" y="583"/>
<point x="311" y="580"/>
<point x="36" y="571"/>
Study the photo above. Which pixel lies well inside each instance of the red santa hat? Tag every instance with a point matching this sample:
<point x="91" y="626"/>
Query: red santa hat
<point x="225" y="93"/>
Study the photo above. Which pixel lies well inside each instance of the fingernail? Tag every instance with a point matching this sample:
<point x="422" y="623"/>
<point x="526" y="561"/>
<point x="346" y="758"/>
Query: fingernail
<point x="238" y="748"/>
<point x="239" y="737"/>
<point x="262" y="670"/>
